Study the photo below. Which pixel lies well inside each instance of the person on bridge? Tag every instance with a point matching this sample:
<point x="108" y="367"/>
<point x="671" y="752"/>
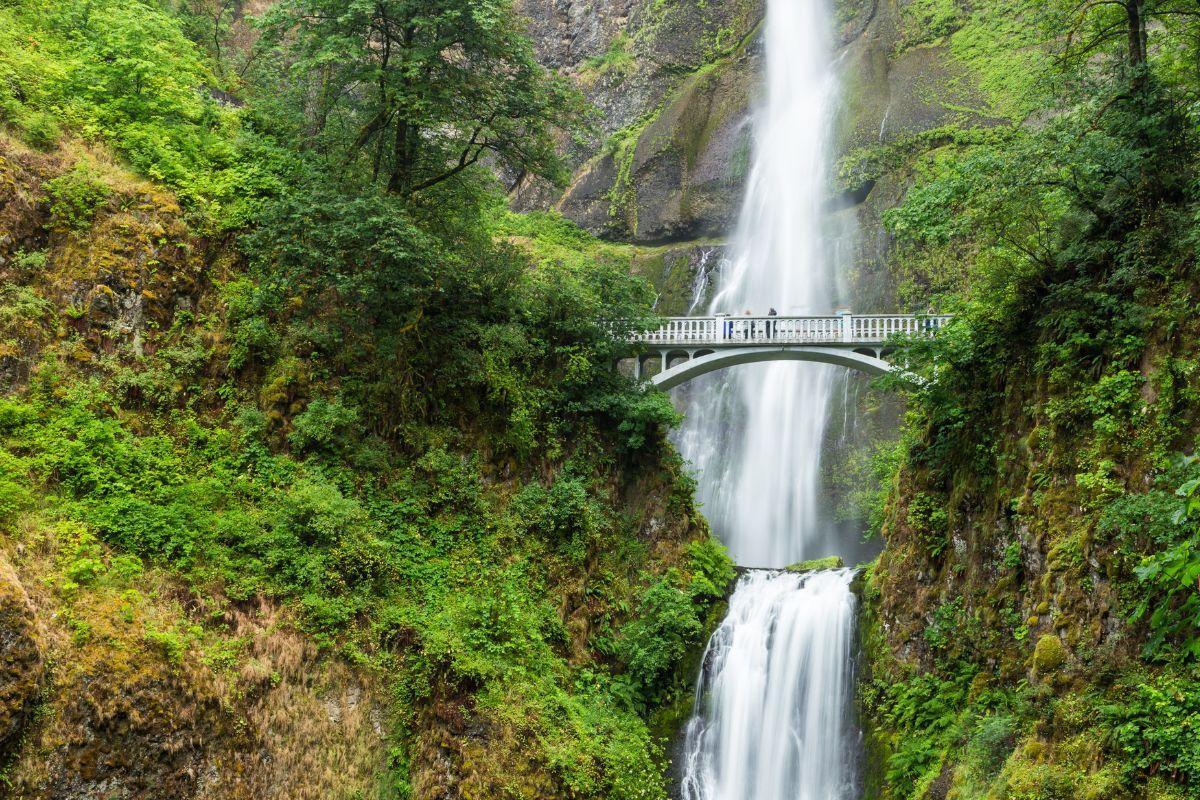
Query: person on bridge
<point x="771" y="323"/>
<point x="748" y="330"/>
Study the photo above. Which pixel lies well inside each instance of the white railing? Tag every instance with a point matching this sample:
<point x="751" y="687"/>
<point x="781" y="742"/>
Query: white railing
<point x="833" y="329"/>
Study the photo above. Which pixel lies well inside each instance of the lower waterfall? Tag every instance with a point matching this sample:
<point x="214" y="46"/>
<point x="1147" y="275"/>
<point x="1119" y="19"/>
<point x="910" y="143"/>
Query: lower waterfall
<point x="772" y="718"/>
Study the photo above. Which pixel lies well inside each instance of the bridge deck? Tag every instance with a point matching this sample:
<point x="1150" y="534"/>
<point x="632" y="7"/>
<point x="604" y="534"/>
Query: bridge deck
<point x="841" y="330"/>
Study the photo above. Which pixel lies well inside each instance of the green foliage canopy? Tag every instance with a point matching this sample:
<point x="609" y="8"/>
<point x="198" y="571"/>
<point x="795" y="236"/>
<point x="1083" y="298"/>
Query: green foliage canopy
<point x="422" y="90"/>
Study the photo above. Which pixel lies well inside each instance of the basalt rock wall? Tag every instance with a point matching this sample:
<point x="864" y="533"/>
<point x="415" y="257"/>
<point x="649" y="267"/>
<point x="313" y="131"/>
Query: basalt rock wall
<point x="675" y="84"/>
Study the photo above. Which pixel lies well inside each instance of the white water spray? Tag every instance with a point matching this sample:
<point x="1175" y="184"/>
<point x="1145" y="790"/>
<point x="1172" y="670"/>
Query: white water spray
<point x="771" y="718"/>
<point x="756" y="435"/>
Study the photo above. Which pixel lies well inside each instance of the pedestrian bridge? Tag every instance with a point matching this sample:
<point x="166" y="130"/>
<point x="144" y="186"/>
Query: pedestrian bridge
<point x="687" y="347"/>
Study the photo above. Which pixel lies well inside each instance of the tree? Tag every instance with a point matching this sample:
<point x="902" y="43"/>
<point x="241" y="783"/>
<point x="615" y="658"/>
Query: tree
<point x="1097" y="24"/>
<point x="422" y="90"/>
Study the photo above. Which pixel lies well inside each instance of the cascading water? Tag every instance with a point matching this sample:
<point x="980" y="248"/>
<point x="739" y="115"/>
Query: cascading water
<point x="772" y="722"/>
<point x="756" y="443"/>
<point x="704" y="273"/>
<point x="772" y="709"/>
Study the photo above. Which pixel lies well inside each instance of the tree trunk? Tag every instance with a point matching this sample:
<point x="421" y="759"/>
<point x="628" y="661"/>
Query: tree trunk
<point x="404" y="148"/>
<point x="1136" y="22"/>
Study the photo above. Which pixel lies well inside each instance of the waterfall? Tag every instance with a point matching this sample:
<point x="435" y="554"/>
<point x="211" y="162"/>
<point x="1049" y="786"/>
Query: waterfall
<point x="771" y="719"/>
<point x="755" y="439"/>
<point x="704" y="273"/>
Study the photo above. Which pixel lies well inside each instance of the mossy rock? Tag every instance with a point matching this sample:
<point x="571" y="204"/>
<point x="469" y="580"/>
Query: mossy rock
<point x="21" y="664"/>
<point x="672" y="270"/>
<point x="812" y="565"/>
<point x="1049" y="654"/>
<point x="675" y="173"/>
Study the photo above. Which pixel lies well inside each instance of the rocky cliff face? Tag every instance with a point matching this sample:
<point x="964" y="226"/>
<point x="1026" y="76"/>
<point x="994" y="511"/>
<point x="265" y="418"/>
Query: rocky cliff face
<point x="675" y="84"/>
<point x="21" y="661"/>
<point x="136" y="701"/>
<point x="672" y="82"/>
<point x="117" y="680"/>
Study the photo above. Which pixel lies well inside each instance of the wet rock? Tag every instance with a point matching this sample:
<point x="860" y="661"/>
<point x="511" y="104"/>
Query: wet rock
<point x="680" y="175"/>
<point x="676" y="80"/>
<point x="21" y="663"/>
<point x="812" y="565"/>
<point x="683" y="275"/>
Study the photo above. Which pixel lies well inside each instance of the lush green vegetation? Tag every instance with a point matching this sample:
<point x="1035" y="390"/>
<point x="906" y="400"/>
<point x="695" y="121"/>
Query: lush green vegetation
<point x="370" y="547"/>
<point x="393" y="410"/>
<point x="1035" y="510"/>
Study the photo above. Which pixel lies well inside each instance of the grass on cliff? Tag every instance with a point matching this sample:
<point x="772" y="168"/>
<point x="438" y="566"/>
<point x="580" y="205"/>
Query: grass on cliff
<point x="372" y="550"/>
<point x="473" y="545"/>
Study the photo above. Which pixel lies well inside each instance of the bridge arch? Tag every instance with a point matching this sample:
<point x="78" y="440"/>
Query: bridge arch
<point x="732" y="356"/>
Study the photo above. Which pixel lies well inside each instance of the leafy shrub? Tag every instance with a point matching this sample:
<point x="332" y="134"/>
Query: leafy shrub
<point x="1170" y="584"/>
<point x="76" y="196"/>
<point x="172" y="643"/>
<point x="559" y="513"/>
<point x="912" y="759"/>
<point x="1155" y="726"/>
<point x="324" y="424"/>
<point x="41" y="129"/>
<point x="248" y="306"/>
<point x="711" y="569"/>
<point x="991" y="742"/>
<point x="949" y="621"/>
<point x="923" y="712"/>
<point x="14" y="496"/>
<point x="640" y="417"/>
<point x="927" y="516"/>
<point x="665" y="627"/>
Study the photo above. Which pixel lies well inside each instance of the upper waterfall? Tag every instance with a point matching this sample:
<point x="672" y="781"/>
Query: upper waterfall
<point x="757" y="445"/>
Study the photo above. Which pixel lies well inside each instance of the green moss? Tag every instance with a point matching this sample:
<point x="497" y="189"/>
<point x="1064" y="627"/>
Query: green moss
<point x="1049" y="654"/>
<point x="812" y="565"/>
<point x="622" y="147"/>
<point x="76" y="196"/>
<point x="616" y="60"/>
<point x="927" y="21"/>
